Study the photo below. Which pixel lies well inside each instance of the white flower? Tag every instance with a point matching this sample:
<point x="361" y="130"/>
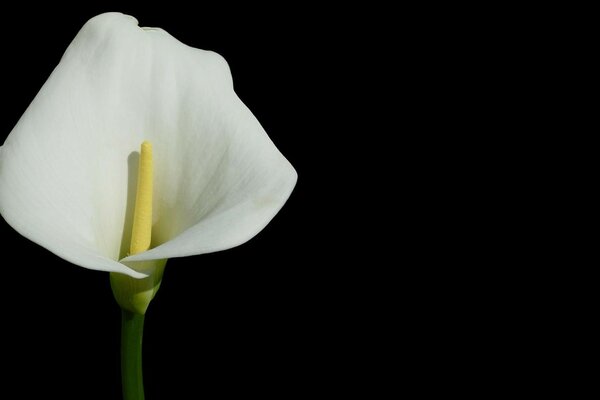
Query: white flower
<point x="68" y="168"/>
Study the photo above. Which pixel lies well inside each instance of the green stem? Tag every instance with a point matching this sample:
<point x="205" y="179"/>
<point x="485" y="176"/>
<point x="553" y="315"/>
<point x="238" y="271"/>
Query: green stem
<point x="132" y="330"/>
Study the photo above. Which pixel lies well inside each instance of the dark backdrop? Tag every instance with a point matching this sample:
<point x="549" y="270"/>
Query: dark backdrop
<point x="254" y="319"/>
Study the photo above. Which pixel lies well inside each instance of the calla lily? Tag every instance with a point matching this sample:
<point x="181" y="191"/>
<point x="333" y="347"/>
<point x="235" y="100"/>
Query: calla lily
<point x="74" y="180"/>
<point x="67" y="170"/>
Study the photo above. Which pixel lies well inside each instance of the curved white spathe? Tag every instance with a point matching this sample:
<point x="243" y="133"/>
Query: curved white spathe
<point x="66" y="169"/>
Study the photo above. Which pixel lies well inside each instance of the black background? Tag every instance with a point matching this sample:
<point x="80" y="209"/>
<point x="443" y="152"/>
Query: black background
<point x="256" y="319"/>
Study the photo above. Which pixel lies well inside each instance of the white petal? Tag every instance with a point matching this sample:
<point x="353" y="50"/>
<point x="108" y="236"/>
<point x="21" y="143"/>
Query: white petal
<point x="67" y="169"/>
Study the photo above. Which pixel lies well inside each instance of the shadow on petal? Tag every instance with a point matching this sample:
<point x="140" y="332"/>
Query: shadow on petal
<point x="132" y="175"/>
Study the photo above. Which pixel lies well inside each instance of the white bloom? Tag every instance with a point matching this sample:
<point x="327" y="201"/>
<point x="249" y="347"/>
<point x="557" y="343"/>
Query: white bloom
<point x="67" y="168"/>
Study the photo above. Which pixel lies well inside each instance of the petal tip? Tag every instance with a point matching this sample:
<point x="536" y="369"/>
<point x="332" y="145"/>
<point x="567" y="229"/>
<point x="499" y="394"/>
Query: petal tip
<point x="111" y="16"/>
